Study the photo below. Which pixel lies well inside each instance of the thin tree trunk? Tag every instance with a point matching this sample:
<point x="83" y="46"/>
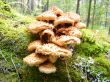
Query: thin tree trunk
<point x="38" y="6"/>
<point x="93" y="14"/>
<point x="22" y="7"/>
<point x="106" y="19"/>
<point x="42" y="6"/>
<point x="78" y="5"/>
<point x="109" y="31"/>
<point x="47" y="4"/>
<point x="30" y="5"/>
<point x="106" y="13"/>
<point x="99" y="19"/>
<point x="89" y="11"/>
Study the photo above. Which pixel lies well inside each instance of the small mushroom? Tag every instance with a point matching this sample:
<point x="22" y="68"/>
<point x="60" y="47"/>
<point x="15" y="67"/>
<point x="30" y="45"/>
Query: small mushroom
<point x="32" y="46"/>
<point x="47" y="68"/>
<point x="34" y="59"/>
<point x="52" y="49"/>
<point x="47" y="16"/>
<point x="58" y="12"/>
<point x="47" y="36"/>
<point x="73" y="16"/>
<point x="71" y="31"/>
<point x="39" y="26"/>
<point x="74" y="32"/>
<point x="80" y="25"/>
<point x="64" y="40"/>
<point x="63" y="21"/>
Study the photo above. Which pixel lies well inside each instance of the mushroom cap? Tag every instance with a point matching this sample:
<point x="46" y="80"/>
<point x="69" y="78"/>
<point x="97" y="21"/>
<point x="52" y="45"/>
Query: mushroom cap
<point x="62" y="20"/>
<point x="34" y="59"/>
<point x="65" y="39"/>
<point x="48" y="15"/>
<point x="52" y="58"/>
<point x="73" y="16"/>
<point x="80" y="25"/>
<point x="32" y="45"/>
<point x="71" y="31"/>
<point x="58" y="12"/>
<point x="52" y="49"/>
<point x="39" y="26"/>
<point x="47" y="68"/>
<point x="75" y="33"/>
<point x="47" y="35"/>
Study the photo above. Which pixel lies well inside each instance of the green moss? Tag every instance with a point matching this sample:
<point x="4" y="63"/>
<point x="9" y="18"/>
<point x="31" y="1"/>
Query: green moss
<point x="91" y="45"/>
<point x="14" y="39"/>
<point x="88" y="36"/>
<point x="5" y="9"/>
<point x="31" y="74"/>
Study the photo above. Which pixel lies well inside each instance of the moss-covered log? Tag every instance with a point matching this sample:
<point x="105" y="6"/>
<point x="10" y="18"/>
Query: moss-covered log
<point x="13" y="45"/>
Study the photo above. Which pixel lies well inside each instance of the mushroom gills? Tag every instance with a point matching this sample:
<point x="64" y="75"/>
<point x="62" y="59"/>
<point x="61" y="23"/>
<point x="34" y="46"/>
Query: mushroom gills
<point x="45" y="38"/>
<point x="58" y="15"/>
<point x="48" y="21"/>
<point x="64" y="25"/>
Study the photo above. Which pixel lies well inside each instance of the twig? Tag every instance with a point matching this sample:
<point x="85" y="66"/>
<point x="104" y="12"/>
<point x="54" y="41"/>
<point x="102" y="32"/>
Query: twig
<point x="3" y="55"/>
<point x="69" y="77"/>
<point x="15" y="68"/>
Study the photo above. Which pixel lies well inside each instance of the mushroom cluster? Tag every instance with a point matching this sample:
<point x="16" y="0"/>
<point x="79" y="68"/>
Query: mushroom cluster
<point x="57" y="31"/>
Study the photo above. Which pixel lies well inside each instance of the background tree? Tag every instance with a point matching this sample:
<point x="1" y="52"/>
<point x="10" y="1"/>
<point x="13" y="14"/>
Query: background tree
<point x="77" y="8"/>
<point x="93" y="18"/>
<point x="89" y="12"/>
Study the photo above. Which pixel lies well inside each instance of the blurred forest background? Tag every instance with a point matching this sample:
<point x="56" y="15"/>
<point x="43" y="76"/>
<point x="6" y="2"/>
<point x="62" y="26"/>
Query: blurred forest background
<point x="95" y="13"/>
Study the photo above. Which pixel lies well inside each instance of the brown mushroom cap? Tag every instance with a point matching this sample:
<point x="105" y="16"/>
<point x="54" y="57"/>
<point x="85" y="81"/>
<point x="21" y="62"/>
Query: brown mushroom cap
<point x="62" y="20"/>
<point x="52" y="49"/>
<point x="32" y="46"/>
<point x="39" y="26"/>
<point x="75" y="33"/>
<point x="58" y="12"/>
<point x="64" y="40"/>
<point x="52" y="58"/>
<point x="46" y="16"/>
<point x="47" y="68"/>
<point x="34" y="59"/>
<point x="73" y="16"/>
<point x="80" y="25"/>
<point x="47" y="35"/>
<point x="71" y="31"/>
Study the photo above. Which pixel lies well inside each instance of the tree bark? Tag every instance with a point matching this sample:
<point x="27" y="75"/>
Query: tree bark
<point x="89" y="11"/>
<point x="78" y="5"/>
